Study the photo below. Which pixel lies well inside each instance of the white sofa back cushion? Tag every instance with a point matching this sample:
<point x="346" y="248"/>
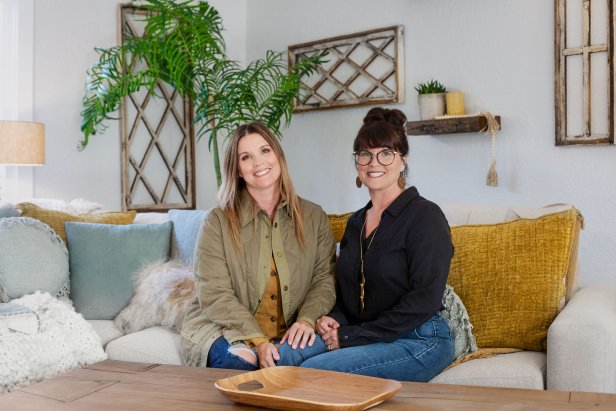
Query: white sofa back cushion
<point x="464" y="214"/>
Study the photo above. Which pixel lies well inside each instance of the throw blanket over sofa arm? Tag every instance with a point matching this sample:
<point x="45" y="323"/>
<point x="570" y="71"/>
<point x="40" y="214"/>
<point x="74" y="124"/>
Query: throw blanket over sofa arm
<point x="581" y="353"/>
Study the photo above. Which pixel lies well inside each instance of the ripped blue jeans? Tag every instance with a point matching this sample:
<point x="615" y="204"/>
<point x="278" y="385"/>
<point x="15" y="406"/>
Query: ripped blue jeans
<point x="220" y="357"/>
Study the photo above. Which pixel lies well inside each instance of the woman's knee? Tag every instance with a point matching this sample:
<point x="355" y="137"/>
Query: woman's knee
<point x="297" y="356"/>
<point x="243" y="352"/>
<point x="224" y="355"/>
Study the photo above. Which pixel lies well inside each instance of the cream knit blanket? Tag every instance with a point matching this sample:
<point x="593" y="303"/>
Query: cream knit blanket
<point x="64" y="341"/>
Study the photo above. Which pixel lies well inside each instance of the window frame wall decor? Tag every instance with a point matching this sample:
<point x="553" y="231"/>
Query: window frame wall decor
<point x="384" y="45"/>
<point x="564" y="83"/>
<point x="171" y="170"/>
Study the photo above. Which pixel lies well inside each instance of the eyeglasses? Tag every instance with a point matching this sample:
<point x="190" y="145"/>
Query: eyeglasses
<point x="384" y="157"/>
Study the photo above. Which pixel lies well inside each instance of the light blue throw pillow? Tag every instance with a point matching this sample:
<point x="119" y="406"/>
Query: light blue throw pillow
<point x="32" y="258"/>
<point x="105" y="260"/>
<point x="186" y="225"/>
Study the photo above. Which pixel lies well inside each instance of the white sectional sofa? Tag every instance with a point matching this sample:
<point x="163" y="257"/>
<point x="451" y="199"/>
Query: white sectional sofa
<point x="581" y="341"/>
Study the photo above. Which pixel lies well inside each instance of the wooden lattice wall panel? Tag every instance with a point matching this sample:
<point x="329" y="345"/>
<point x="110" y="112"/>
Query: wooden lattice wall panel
<point x="157" y="139"/>
<point x="362" y="68"/>
<point x="584" y="72"/>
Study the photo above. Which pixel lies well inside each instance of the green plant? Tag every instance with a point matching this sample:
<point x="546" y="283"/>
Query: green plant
<point x="185" y="48"/>
<point x="430" y="87"/>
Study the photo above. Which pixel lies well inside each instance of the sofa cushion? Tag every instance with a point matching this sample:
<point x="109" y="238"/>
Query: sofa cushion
<point x="186" y="225"/>
<point x="104" y="262"/>
<point x="106" y="330"/>
<point x="158" y="345"/>
<point x="57" y="219"/>
<point x="525" y="369"/>
<point x="513" y="277"/>
<point x="32" y="258"/>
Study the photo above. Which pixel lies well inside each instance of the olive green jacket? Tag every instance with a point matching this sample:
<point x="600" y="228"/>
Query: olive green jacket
<point x="230" y="285"/>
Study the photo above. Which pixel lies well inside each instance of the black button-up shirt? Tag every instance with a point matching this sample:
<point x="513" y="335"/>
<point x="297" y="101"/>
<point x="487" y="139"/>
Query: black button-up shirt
<point x="406" y="269"/>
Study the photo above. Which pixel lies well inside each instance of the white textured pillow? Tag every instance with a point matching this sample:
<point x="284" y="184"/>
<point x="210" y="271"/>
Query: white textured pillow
<point x="33" y="258"/>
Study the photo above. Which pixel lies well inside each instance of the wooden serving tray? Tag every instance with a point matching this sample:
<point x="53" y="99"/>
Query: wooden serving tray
<point x="294" y="388"/>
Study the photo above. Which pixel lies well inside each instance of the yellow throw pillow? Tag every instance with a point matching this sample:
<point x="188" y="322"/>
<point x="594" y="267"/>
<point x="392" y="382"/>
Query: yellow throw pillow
<point x="338" y="223"/>
<point x="515" y="277"/>
<point x="56" y="219"/>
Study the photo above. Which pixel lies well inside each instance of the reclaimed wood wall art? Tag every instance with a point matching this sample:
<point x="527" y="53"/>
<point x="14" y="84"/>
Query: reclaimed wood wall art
<point x="157" y="135"/>
<point x="362" y="68"/>
<point x="584" y="72"/>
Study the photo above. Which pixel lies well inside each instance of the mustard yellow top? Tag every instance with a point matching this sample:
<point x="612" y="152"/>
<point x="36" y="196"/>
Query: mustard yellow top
<point x="269" y="314"/>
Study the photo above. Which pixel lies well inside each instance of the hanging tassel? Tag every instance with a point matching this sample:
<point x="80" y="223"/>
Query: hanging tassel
<point x="492" y="128"/>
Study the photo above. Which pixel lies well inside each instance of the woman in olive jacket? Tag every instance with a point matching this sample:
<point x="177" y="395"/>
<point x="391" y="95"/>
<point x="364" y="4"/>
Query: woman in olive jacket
<point x="264" y="265"/>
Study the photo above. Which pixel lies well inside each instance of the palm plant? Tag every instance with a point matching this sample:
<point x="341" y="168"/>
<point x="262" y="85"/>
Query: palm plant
<point x="183" y="46"/>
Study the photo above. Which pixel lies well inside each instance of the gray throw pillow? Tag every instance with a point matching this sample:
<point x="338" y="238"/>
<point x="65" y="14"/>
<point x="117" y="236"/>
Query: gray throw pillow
<point x="32" y="258"/>
<point x="459" y="323"/>
<point x="105" y="260"/>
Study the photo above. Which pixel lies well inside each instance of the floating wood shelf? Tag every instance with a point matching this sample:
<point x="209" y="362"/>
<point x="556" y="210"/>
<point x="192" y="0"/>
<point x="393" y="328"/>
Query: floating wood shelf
<point x="448" y="125"/>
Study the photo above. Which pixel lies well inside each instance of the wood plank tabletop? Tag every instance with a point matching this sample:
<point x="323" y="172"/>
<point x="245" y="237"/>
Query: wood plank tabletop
<point x="115" y="385"/>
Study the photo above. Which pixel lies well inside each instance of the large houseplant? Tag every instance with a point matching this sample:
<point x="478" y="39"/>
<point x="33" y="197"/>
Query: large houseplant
<point x="184" y="47"/>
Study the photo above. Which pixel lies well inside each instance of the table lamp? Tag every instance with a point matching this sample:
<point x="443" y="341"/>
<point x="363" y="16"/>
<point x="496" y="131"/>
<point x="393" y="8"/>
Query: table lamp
<point x="22" y="143"/>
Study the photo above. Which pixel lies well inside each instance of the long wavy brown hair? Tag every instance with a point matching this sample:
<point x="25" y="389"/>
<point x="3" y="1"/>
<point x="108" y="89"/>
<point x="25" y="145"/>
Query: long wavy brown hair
<point x="234" y="188"/>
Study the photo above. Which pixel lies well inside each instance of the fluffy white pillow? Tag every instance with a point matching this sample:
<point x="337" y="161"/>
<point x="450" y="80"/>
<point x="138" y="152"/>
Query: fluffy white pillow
<point x="163" y="293"/>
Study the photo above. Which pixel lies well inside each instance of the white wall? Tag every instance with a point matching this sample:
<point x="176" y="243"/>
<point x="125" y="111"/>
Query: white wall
<point x="500" y="54"/>
<point x="66" y="32"/>
<point x="16" y="86"/>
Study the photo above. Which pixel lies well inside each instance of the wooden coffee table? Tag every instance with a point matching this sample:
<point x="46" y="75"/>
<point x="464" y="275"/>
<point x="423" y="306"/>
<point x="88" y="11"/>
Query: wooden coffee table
<point x="116" y="385"/>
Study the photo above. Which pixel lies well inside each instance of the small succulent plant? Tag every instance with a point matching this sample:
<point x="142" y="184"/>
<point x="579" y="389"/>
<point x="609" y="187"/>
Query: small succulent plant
<point x="429" y="87"/>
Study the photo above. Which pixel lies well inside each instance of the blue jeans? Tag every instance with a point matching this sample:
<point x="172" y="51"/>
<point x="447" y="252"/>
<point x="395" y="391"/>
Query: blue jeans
<point x="220" y="357"/>
<point x="420" y="355"/>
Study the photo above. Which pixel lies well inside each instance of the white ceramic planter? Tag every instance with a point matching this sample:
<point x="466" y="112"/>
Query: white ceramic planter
<point x="431" y="105"/>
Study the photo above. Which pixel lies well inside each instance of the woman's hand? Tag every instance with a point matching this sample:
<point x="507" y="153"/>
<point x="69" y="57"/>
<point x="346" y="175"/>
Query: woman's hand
<point x="267" y="354"/>
<point x="331" y="339"/>
<point x="326" y="324"/>
<point x="300" y="334"/>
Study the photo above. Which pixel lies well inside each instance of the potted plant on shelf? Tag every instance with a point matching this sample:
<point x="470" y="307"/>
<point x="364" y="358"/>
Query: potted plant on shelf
<point x="431" y="99"/>
<point x="184" y="47"/>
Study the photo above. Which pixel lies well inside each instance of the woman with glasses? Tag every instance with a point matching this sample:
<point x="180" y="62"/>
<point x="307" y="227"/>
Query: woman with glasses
<point x="264" y="265"/>
<point x="392" y="269"/>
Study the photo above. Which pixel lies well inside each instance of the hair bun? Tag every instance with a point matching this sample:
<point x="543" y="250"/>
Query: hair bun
<point x="394" y="117"/>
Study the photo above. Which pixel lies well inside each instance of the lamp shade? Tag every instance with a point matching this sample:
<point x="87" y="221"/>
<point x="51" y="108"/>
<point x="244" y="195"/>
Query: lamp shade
<point x="22" y="143"/>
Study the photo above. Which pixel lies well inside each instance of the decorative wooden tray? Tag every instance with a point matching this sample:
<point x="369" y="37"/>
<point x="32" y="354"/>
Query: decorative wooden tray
<point x="293" y="388"/>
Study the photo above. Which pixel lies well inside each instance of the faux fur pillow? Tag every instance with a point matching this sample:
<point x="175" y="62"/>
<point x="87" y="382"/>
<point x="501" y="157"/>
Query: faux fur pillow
<point x="163" y="293"/>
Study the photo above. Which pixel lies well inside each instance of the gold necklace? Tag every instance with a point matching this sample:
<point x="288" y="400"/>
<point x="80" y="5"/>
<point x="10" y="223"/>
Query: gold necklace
<point x="362" y="283"/>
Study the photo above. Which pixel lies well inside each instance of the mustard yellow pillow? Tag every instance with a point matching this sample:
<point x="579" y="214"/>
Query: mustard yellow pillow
<point x="338" y="223"/>
<point x="515" y="277"/>
<point x="56" y="219"/>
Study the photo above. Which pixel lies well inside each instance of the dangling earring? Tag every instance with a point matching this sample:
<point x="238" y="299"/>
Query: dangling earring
<point x="401" y="181"/>
<point x="402" y="178"/>
<point x="357" y="182"/>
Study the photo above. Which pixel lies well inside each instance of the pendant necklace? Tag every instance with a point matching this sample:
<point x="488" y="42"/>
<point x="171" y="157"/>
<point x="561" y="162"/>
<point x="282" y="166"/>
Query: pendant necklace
<point x="362" y="257"/>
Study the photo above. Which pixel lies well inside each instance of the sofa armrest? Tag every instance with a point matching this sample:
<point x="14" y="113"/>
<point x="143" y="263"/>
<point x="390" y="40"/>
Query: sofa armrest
<point x="581" y="353"/>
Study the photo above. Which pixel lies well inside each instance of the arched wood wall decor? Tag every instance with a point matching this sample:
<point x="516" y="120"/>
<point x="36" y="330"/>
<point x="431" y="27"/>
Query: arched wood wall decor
<point x="157" y="137"/>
